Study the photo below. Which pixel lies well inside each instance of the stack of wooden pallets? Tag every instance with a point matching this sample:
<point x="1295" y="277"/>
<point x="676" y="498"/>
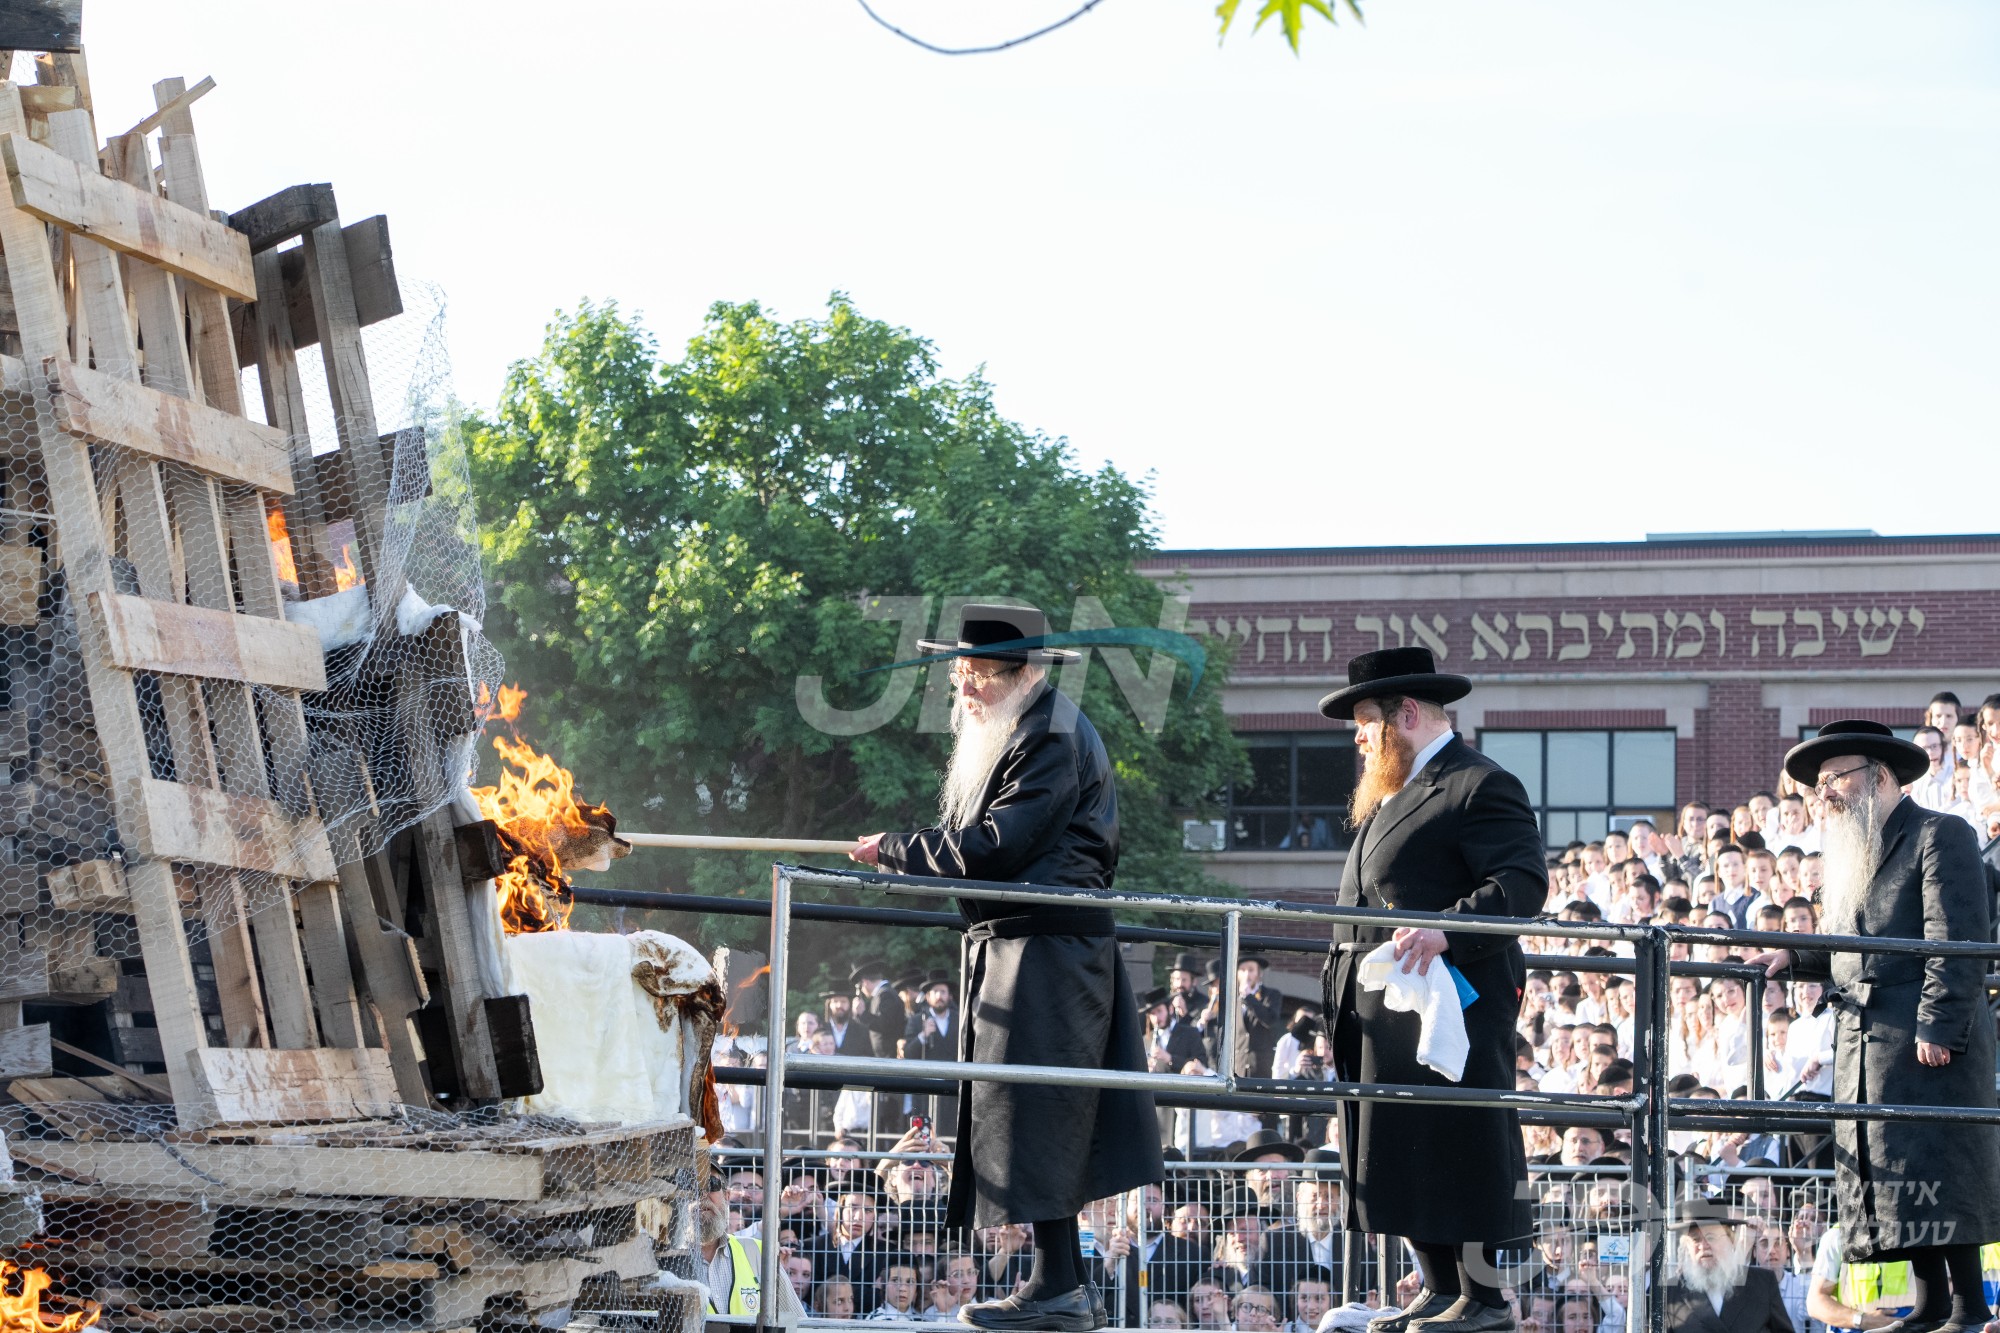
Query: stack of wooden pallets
<point x="243" y="1024"/>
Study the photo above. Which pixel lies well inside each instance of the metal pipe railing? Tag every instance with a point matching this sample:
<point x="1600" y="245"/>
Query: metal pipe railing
<point x="1648" y="1112"/>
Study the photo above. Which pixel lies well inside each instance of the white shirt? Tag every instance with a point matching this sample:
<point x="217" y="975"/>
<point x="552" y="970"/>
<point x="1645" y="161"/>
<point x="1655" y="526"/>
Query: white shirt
<point x="1933" y="790"/>
<point x="1810" y="1038"/>
<point x="1428" y="753"/>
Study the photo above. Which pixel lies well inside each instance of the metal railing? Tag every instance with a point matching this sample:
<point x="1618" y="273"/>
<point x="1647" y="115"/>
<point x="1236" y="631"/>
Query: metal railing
<point x="1648" y="1113"/>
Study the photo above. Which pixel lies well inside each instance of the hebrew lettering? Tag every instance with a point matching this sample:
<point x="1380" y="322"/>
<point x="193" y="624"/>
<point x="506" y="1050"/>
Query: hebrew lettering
<point x="1571" y="652"/>
<point x="1815" y="646"/>
<point x="1527" y="622"/>
<point x="1430" y="636"/>
<point x="1644" y="620"/>
<point x="1484" y="634"/>
<point x="1370" y="625"/>
<point x="1774" y="619"/>
<point x="1280" y="626"/>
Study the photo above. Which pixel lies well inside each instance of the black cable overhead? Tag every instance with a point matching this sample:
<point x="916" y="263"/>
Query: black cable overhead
<point x="935" y="49"/>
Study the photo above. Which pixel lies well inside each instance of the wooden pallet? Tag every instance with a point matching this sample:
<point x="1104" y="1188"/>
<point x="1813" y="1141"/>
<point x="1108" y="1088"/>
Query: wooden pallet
<point x="122" y="284"/>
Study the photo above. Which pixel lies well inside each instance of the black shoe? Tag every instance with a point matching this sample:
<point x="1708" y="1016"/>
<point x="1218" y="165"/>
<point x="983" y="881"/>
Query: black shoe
<point x="1427" y="1304"/>
<point x="1467" y="1315"/>
<point x="1068" y="1313"/>
<point x="1910" y="1323"/>
<point x="1100" y="1317"/>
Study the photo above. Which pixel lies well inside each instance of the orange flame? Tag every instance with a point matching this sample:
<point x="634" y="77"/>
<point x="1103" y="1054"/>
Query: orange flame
<point x="281" y="545"/>
<point x="345" y="574"/>
<point x="538" y="813"/>
<point x="22" y="1312"/>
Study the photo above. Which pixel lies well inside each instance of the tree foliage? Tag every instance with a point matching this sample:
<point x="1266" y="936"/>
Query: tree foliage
<point x="672" y="544"/>
<point x="1289" y="13"/>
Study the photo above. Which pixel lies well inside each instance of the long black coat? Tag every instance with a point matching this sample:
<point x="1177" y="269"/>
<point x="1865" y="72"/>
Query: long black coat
<point x="1044" y="985"/>
<point x="1756" y="1306"/>
<point x="1460" y="837"/>
<point x="1901" y="1184"/>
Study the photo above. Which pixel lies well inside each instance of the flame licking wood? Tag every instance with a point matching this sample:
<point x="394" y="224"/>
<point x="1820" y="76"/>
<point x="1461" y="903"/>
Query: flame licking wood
<point x="544" y="828"/>
<point x="281" y="544"/>
<point x="345" y="573"/>
<point x="21" y="1304"/>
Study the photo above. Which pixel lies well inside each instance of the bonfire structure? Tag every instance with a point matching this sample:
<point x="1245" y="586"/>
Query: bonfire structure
<point x="267" y="1027"/>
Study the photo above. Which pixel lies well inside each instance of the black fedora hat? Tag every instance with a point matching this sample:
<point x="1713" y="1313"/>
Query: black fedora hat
<point x="1410" y="672"/>
<point x="1189" y="963"/>
<point x="1021" y="628"/>
<point x="937" y="976"/>
<point x="1323" y="1158"/>
<point x="1269" y="1141"/>
<point x="913" y="981"/>
<point x="1153" y="998"/>
<point x="1862" y="739"/>
<point x="867" y="968"/>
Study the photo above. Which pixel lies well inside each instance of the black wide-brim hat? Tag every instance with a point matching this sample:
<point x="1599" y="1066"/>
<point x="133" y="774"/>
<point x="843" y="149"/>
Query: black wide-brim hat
<point x="1270" y="1141"/>
<point x="982" y="625"/>
<point x="1403" y="672"/>
<point x="1862" y="739"/>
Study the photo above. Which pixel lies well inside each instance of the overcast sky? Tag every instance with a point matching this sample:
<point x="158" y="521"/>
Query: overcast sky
<point x="1483" y="270"/>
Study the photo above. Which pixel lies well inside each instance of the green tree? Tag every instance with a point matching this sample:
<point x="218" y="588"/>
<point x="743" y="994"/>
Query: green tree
<point x="671" y="545"/>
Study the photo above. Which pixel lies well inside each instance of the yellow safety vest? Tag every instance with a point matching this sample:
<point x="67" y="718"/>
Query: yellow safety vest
<point x="1874" y="1286"/>
<point x="745" y="1297"/>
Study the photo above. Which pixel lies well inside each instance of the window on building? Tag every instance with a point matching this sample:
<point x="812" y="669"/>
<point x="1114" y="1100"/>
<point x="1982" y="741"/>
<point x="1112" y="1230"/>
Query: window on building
<point x="1585" y="783"/>
<point x="1296" y="796"/>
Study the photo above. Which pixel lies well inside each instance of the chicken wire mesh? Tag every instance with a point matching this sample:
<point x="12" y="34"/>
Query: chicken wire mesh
<point x="419" y="1221"/>
<point x="382" y="566"/>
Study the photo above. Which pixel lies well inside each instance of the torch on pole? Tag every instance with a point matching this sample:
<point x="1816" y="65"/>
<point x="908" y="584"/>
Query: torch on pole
<point x="701" y="842"/>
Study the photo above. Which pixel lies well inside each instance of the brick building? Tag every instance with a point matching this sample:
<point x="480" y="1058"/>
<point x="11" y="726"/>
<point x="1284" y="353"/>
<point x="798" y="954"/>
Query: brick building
<point x="1617" y="679"/>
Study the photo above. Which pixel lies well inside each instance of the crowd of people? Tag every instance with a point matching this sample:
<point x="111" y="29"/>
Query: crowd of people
<point x="1261" y="1248"/>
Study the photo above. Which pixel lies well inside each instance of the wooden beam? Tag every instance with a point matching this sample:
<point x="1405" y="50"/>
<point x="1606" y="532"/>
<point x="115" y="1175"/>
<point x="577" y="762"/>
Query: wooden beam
<point x="38" y="100"/>
<point x="325" y="938"/>
<point x="297" y="1169"/>
<point x="371" y="264"/>
<point x="25" y="1053"/>
<point x="78" y="198"/>
<point x="92" y="886"/>
<point x="106" y="409"/>
<point x="152" y="1085"/>
<point x="176" y="104"/>
<point x="393" y="982"/>
<point x="286" y="215"/>
<point x="41" y="25"/>
<point x="145" y="635"/>
<point x="458" y="951"/>
<point x="277" y="1086"/>
<point x="209" y="827"/>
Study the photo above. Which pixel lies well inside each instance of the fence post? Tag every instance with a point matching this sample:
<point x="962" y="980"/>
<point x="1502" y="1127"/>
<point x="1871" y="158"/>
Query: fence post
<point x="1232" y="929"/>
<point x="1651" y="1163"/>
<point x="774" y="1097"/>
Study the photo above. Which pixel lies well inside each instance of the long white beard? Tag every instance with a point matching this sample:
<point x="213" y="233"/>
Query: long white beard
<point x="1731" y="1266"/>
<point x="978" y="741"/>
<point x="1851" y="849"/>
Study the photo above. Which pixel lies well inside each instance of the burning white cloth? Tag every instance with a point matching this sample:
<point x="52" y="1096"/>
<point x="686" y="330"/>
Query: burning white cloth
<point x="612" y="1045"/>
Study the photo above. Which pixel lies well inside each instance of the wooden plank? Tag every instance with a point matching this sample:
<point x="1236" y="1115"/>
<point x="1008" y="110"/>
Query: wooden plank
<point x="152" y="1085"/>
<point x="91" y="886"/>
<point x="286" y="215"/>
<point x="25" y="1052"/>
<point x="72" y="492"/>
<point x="371" y="266"/>
<point x="78" y="198"/>
<point x="353" y="398"/>
<point x="465" y="994"/>
<point x="20" y="586"/>
<point x="110" y="409"/>
<point x="298" y="1169"/>
<point x="37" y="100"/>
<point x="325" y="939"/>
<point x="41" y="25"/>
<point x="225" y="911"/>
<point x="389" y="974"/>
<point x="282" y="965"/>
<point x="273" y="350"/>
<point x="281" y="1086"/>
<point x="208" y="827"/>
<point x="144" y="635"/>
<point x="173" y="103"/>
<point x="208" y="313"/>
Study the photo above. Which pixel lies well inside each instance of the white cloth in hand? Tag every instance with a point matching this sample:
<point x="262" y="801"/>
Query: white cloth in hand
<point x="1433" y="997"/>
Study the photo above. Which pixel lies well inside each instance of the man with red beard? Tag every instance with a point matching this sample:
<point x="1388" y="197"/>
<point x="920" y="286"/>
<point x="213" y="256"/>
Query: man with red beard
<point x="1910" y="1030"/>
<point x="1029" y="799"/>
<point x="1439" y="828"/>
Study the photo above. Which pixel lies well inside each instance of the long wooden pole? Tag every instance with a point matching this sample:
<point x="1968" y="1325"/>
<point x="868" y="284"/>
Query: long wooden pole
<point x="704" y="843"/>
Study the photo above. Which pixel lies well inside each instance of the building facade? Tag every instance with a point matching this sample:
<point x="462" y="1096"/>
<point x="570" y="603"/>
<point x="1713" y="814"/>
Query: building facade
<point x="1617" y="679"/>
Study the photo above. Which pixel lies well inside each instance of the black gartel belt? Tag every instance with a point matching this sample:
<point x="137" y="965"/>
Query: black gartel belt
<point x="1045" y="921"/>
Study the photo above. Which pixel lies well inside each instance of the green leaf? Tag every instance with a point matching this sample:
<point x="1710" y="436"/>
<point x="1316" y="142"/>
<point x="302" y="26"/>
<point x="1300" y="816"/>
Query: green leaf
<point x="1226" y="11"/>
<point x="1289" y="13"/>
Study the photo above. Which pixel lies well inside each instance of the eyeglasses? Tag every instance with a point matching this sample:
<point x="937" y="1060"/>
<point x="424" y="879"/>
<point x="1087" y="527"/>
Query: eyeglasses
<point x="962" y="673"/>
<point x="1827" y="778"/>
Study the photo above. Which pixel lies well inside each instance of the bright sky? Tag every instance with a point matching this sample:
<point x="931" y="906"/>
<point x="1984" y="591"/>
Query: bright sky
<point x="1484" y="270"/>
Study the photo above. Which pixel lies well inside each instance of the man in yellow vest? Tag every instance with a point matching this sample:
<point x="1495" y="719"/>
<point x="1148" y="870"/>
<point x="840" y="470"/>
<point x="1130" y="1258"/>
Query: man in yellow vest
<point x="731" y="1265"/>
<point x="1857" y="1296"/>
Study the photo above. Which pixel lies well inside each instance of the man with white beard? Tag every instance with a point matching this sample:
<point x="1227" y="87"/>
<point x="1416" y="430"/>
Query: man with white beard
<point x="1912" y="1030"/>
<point x="1717" y="1289"/>
<point x="1028" y="798"/>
